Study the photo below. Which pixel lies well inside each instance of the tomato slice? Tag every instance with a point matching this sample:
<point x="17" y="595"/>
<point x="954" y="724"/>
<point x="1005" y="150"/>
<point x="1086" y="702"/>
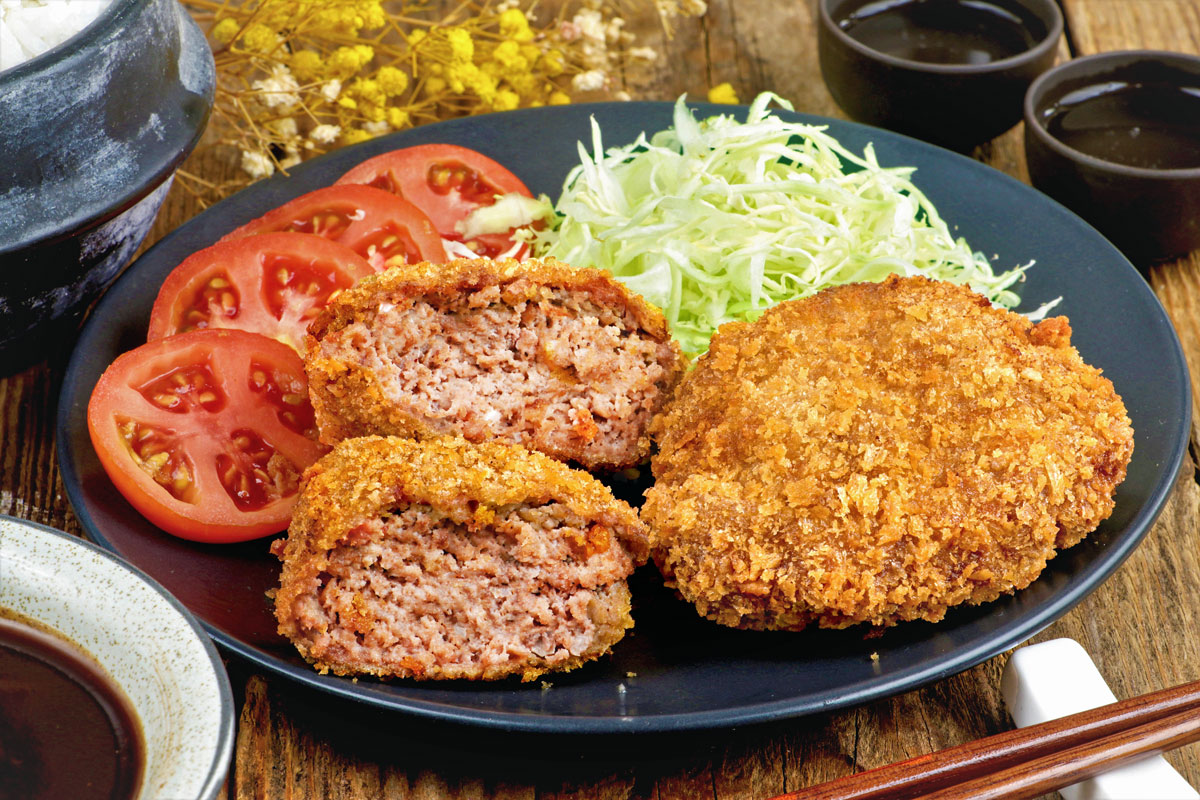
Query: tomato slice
<point x="273" y="284"/>
<point x="206" y="433"/>
<point x="445" y="181"/>
<point x="379" y="226"/>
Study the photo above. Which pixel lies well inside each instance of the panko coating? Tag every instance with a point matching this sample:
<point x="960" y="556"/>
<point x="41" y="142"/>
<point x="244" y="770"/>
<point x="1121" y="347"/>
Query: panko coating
<point x="562" y="360"/>
<point x="445" y="559"/>
<point x="879" y="452"/>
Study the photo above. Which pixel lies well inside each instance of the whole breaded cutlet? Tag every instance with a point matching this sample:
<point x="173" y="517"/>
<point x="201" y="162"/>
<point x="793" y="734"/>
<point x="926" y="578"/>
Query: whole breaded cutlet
<point x="537" y="353"/>
<point x="879" y="452"/>
<point x="445" y="559"/>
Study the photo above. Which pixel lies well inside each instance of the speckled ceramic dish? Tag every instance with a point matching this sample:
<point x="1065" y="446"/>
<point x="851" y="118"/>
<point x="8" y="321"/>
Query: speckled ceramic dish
<point x="144" y="640"/>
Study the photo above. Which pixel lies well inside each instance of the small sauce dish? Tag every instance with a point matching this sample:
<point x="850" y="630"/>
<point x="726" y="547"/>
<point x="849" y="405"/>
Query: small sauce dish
<point x="1116" y="138"/>
<point x="951" y="72"/>
<point x="132" y="654"/>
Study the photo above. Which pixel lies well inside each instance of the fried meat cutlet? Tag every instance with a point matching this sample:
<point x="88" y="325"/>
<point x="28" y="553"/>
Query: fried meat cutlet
<point x="444" y="559"/>
<point x="562" y="360"/>
<point x="879" y="452"/>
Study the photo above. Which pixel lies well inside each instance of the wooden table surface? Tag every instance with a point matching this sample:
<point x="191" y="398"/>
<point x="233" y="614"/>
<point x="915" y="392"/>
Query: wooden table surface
<point x="1142" y="626"/>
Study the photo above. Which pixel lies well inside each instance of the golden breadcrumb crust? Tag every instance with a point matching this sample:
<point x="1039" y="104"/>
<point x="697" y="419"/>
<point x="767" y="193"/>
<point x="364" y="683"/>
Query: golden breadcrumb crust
<point x="350" y="399"/>
<point x="451" y="279"/>
<point x="365" y="478"/>
<point x="879" y="452"/>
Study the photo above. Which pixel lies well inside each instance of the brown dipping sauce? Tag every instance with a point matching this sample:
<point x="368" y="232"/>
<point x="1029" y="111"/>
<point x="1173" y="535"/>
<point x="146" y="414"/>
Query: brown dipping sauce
<point x="1148" y="125"/>
<point x="67" y="731"/>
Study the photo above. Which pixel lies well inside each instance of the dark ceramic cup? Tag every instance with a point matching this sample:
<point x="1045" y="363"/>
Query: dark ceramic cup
<point x="92" y="132"/>
<point x="1150" y="212"/>
<point x="957" y="105"/>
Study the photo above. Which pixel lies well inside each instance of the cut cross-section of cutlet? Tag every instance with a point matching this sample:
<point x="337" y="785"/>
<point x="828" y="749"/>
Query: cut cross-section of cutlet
<point x="445" y="559"/>
<point x="561" y="360"/>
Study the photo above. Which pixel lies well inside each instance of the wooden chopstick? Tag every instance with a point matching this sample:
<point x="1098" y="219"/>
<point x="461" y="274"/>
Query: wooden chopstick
<point x="1159" y="720"/>
<point x="1075" y="764"/>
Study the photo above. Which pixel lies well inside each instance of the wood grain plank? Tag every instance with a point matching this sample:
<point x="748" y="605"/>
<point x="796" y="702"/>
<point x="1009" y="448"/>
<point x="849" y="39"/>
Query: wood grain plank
<point x="1101" y="25"/>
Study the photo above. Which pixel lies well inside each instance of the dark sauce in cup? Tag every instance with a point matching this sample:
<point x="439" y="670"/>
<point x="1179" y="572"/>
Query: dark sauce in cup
<point x="1148" y="125"/>
<point x="942" y="31"/>
<point x="67" y="731"/>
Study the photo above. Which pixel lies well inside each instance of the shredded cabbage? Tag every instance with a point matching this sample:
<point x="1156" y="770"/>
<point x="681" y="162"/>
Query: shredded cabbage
<point x="718" y="220"/>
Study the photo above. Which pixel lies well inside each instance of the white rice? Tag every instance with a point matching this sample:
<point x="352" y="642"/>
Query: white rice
<point x="29" y="28"/>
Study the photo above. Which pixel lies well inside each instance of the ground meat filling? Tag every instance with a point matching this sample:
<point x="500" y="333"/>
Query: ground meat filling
<point x="557" y="372"/>
<point x="413" y="591"/>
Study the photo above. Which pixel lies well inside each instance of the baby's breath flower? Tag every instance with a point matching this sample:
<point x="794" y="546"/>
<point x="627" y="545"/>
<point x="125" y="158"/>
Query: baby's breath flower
<point x="297" y="77"/>
<point x="331" y="89"/>
<point x="591" y="81"/>
<point x="506" y="100"/>
<point x="392" y="81"/>
<point x="325" y="133"/>
<point x="397" y="118"/>
<point x="258" y="38"/>
<point x="347" y="60"/>
<point x="284" y="127"/>
<point x="257" y="165"/>
<point x="723" y="93"/>
<point x="356" y="135"/>
<point x="307" y="65"/>
<point x="278" y="89"/>
<point x="552" y="64"/>
<point x="508" y="55"/>
<point x="462" y="47"/>
<point x="515" y="26"/>
<point x="226" y="29"/>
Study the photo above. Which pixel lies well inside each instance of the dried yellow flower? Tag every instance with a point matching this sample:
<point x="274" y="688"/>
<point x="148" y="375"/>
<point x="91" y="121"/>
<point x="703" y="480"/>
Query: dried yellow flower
<point x="307" y="65"/>
<point x="297" y="77"/>
<point x="392" y="81"/>
<point x="258" y="38"/>
<point x="722" y="93"/>
<point x="515" y="25"/>
<point x="225" y="30"/>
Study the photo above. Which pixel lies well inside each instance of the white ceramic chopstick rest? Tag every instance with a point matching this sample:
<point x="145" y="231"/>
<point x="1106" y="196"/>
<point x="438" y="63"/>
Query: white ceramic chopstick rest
<point x="1056" y="678"/>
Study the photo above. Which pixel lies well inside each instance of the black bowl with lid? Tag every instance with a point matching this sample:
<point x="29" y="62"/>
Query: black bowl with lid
<point x="1115" y="137"/>
<point x="93" y="131"/>
<point x="951" y="72"/>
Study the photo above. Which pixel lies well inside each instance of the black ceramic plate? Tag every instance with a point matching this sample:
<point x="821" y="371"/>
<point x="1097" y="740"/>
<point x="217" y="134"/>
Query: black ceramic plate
<point x="675" y="671"/>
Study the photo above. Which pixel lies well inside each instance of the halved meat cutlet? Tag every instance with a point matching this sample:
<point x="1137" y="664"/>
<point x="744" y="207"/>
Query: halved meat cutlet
<point x="445" y="559"/>
<point x="562" y="360"/>
<point x="879" y="452"/>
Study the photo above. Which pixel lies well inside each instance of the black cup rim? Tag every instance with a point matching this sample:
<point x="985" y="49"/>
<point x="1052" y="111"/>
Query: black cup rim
<point x="1048" y="12"/>
<point x="105" y="21"/>
<point x="1095" y="64"/>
